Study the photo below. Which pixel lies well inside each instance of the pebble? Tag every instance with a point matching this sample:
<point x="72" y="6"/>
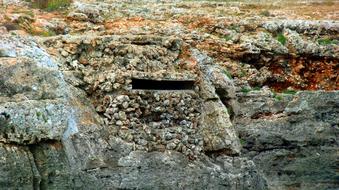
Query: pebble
<point x="119" y="123"/>
<point x="125" y="105"/>
<point x="166" y="102"/>
<point x="122" y="115"/>
<point x="116" y="116"/>
<point x="64" y="53"/>
<point x="168" y="136"/>
<point x="171" y="146"/>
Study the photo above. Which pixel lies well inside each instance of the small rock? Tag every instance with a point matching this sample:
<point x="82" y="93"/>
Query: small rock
<point x="171" y="146"/>
<point x="125" y="105"/>
<point x="77" y="16"/>
<point x="122" y="115"/>
<point x="64" y="53"/>
<point x="119" y="123"/>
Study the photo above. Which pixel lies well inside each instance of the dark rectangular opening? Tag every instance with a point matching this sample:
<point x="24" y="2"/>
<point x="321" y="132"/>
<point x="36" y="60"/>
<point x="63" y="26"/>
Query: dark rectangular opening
<point x="147" y="84"/>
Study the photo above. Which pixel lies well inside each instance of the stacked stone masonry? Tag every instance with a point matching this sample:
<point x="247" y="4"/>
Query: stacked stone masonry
<point x="155" y="120"/>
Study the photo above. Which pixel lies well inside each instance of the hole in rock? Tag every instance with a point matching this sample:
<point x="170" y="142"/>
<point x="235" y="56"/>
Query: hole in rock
<point x="148" y="84"/>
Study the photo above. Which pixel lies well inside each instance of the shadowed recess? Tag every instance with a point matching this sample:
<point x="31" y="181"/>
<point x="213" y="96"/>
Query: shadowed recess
<point x="147" y="84"/>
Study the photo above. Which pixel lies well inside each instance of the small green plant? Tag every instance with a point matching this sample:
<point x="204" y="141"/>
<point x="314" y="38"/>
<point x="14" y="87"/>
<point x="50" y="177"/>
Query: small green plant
<point x="277" y="97"/>
<point x="227" y="37"/>
<point x="38" y="114"/>
<point x="245" y="90"/>
<point x="265" y="13"/>
<point x="242" y="142"/>
<point x="47" y="33"/>
<point x="257" y="88"/>
<point x="281" y="38"/>
<point x="242" y="73"/>
<point x="42" y="116"/>
<point x="327" y="41"/>
<point x="227" y="73"/>
<point x="234" y="27"/>
<point x="44" y="32"/>
<point x="292" y="92"/>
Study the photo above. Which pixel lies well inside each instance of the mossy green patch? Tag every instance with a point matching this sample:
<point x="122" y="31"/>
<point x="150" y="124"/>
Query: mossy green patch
<point x="257" y="88"/>
<point x="227" y="37"/>
<point x="277" y="97"/>
<point x="327" y="41"/>
<point x="41" y="116"/>
<point x="242" y="142"/>
<point x="281" y="38"/>
<point x="245" y="90"/>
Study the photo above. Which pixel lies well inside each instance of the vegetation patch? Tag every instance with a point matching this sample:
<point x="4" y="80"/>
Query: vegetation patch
<point x="242" y="73"/>
<point x="51" y="5"/>
<point x="42" y="116"/>
<point x="292" y="92"/>
<point x="257" y="88"/>
<point x="242" y="142"/>
<point x="245" y="90"/>
<point x="234" y="27"/>
<point x="281" y="38"/>
<point x="277" y="97"/>
<point x="227" y="37"/>
<point x="327" y="41"/>
<point x="227" y="73"/>
<point x="44" y="33"/>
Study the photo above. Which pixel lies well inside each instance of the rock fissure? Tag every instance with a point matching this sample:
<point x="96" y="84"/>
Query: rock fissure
<point x="37" y="184"/>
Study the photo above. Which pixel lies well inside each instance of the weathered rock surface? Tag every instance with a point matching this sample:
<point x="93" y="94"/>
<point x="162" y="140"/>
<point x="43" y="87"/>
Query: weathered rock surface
<point x="71" y="117"/>
<point x="62" y="142"/>
<point x="294" y="142"/>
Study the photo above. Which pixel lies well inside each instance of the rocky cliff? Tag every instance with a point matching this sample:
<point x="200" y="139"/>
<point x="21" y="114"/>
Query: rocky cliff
<point x="168" y="95"/>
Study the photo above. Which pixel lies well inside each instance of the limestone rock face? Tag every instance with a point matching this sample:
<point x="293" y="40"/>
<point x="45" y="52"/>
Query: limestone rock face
<point x="51" y="132"/>
<point x="294" y="141"/>
<point x="17" y="168"/>
<point x="217" y="129"/>
<point x="32" y="97"/>
<point x="169" y="94"/>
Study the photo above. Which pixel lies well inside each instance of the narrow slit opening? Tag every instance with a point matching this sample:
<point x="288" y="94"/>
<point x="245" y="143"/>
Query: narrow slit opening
<point x="148" y="84"/>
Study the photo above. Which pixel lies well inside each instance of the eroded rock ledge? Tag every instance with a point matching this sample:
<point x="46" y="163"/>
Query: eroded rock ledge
<point x="68" y="140"/>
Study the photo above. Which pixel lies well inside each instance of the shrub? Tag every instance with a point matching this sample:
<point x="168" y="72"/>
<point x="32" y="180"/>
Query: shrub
<point x="51" y="5"/>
